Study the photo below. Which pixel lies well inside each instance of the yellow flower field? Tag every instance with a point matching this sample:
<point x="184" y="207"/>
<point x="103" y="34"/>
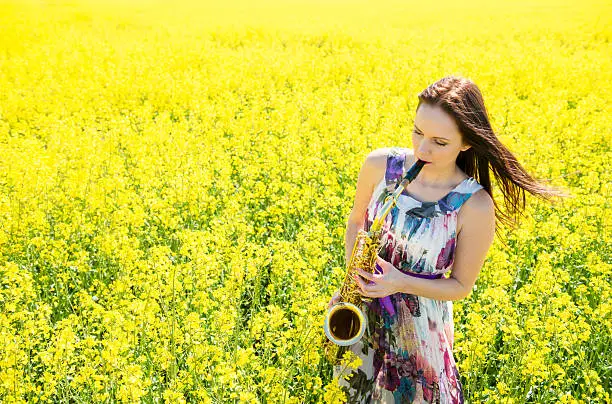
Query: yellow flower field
<point x="176" y="177"/>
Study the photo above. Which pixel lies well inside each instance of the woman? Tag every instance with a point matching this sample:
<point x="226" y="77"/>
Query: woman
<point x="445" y="219"/>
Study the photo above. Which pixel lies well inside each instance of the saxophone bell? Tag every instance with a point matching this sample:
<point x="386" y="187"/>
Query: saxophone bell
<point x="345" y="324"/>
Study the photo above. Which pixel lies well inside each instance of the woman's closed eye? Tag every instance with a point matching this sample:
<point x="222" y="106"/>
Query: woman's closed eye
<point x="420" y="134"/>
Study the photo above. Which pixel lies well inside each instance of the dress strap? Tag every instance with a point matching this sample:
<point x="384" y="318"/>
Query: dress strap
<point x="395" y="167"/>
<point x="457" y="197"/>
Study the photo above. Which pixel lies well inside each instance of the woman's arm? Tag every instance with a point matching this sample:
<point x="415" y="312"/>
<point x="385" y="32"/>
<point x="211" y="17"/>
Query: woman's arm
<point x="473" y="243"/>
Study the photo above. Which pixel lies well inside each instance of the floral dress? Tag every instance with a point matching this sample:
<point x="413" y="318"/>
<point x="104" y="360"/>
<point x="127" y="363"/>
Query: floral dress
<point x="408" y="356"/>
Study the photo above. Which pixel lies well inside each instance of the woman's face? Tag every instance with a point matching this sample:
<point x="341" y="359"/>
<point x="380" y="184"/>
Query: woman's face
<point x="436" y="137"/>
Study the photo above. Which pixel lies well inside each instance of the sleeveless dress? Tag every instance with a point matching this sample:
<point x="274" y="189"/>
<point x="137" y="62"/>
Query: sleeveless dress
<point x="408" y="356"/>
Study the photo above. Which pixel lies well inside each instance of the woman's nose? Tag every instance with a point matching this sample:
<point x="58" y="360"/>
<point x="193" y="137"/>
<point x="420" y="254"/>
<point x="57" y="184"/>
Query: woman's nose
<point x="424" y="148"/>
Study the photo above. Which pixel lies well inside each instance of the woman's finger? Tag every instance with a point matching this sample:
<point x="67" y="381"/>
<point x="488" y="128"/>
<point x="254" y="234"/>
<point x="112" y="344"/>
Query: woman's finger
<point x="360" y="286"/>
<point x="365" y="274"/>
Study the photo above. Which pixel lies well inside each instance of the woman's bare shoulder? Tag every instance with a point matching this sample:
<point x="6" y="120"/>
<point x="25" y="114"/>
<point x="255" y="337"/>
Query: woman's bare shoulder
<point x="372" y="173"/>
<point x="480" y="201"/>
<point x="380" y="153"/>
<point x="478" y="212"/>
<point x="377" y="159"/>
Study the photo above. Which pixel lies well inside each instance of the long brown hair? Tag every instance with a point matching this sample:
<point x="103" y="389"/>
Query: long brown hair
<point x="462" y="99"/>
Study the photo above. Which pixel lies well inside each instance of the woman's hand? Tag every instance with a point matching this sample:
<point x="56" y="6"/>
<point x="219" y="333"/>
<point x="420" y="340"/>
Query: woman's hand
<point x="384" y="284"/>
<point x="335" y="299"/>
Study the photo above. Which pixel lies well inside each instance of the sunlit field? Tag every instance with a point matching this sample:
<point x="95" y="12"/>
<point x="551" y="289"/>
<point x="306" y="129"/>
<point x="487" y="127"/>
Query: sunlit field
<point x="175" y="180"/>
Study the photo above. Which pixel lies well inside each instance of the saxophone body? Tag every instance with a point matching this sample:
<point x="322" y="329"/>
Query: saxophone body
<point x="345" y="322"/>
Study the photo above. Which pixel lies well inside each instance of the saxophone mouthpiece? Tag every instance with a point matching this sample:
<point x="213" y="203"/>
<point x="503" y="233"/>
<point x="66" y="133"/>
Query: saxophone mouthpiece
<point x="414" y="170"/>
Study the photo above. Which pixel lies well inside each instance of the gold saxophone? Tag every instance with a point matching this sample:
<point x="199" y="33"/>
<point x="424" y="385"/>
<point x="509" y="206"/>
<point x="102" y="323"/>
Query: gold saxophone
<point x="345" y="323"/>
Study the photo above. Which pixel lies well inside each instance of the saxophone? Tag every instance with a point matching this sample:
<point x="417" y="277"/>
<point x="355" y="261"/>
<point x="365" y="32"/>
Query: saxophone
<point x="345" y="323"/>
